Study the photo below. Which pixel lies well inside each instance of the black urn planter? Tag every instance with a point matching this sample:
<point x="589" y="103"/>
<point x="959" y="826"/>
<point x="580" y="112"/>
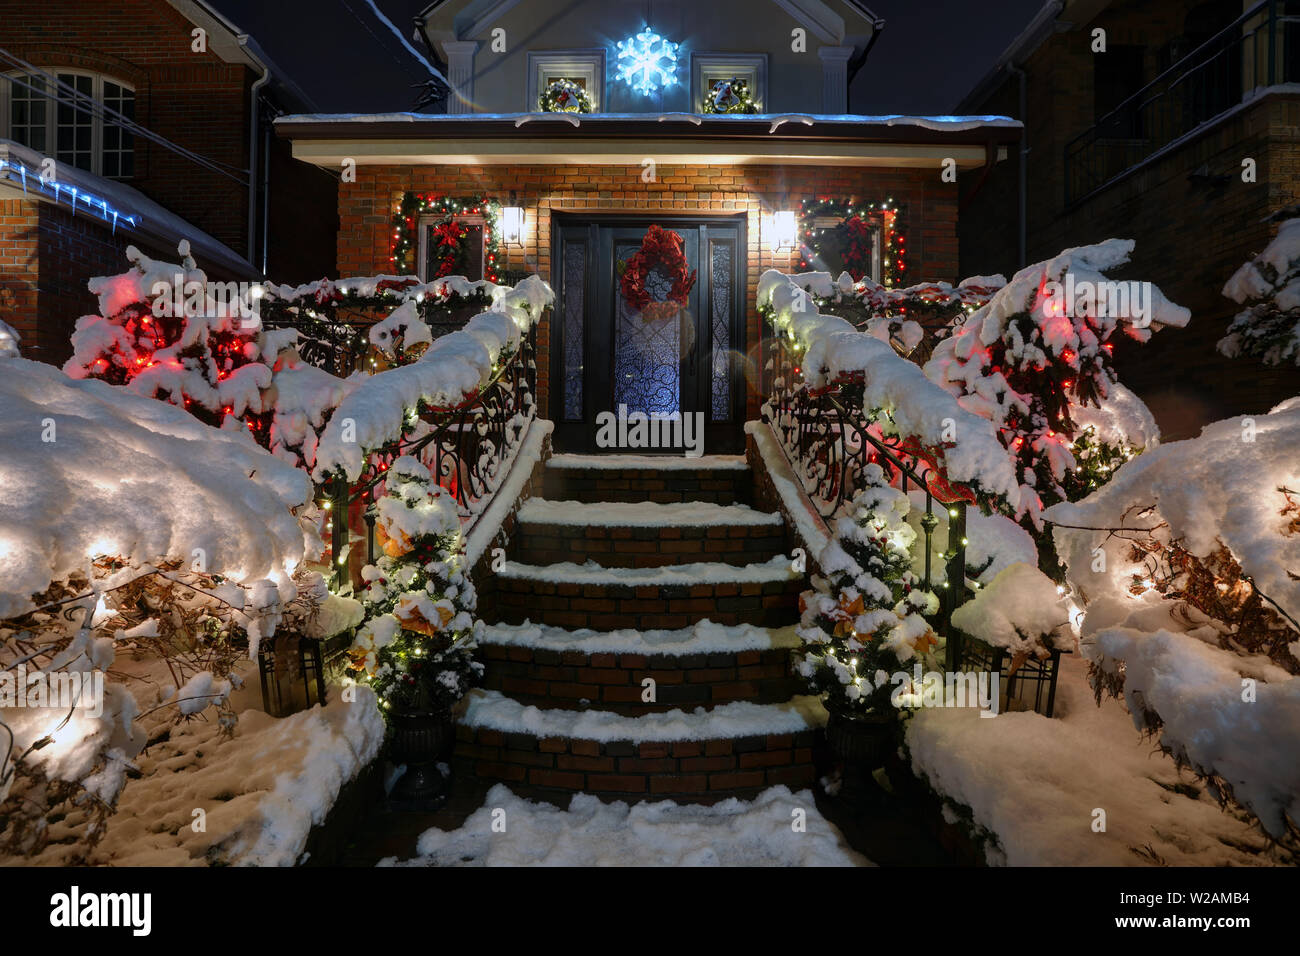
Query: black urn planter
<point x="861" y="745"/>
<point x="421" y="741"/>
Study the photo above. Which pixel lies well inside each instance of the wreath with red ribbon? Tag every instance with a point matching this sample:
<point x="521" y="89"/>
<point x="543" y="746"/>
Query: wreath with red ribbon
<point x="449" y="242"/>
<point x="662" y="249"/>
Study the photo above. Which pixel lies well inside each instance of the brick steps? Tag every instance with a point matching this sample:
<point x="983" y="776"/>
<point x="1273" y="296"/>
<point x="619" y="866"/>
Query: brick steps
<point x="643" y="535"/>
<point x="600" y="478"/>
<point x="578" y="596"/>
<point x="737" y="750"/>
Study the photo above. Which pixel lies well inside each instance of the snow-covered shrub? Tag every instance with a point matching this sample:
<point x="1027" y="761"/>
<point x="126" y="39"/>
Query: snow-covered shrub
<point x="1021" y="611"/>
<point x="883" y="387"/>
<point x="1108" y="434"/>
<point x="1186" y="572"/>
<point x="115" y="532"/>
<point x="1028" y="359"/>
<point x="416" y="646"/>
<point x="864" y="618"/>
<point x="1269" y="286"/>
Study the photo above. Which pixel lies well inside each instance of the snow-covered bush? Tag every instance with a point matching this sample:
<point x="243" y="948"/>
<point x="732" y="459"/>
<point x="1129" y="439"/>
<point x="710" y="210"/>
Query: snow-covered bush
<point x="115" y="531"/>
<point x="1269" y="286"/>
<point x="882" y="386"/>
<point x="864" y="618"/>
<point x="416" y="646"/>
<point x="1021" y="611"/>
<point x="1029" y="358"/>
<point x="1185" y="570"/>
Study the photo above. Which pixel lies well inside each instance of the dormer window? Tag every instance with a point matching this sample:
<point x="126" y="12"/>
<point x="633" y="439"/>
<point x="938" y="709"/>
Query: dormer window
<point x="583" y="67"/>
<point x="70" y="121"/>
<point x="707" y="69"/>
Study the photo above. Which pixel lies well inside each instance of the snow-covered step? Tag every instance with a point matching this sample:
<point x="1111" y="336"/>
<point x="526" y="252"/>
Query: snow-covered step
<point x="733" y="750"/>
<point x="646" y="534"/>
<point x="673" y="596"/>
<point x="706" y="665"/>
<point x="722" y="479"/>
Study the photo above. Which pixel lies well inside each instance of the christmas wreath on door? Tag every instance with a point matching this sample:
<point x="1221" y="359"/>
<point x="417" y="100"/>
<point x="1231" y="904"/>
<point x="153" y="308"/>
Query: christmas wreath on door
<point x="661" y="250"/>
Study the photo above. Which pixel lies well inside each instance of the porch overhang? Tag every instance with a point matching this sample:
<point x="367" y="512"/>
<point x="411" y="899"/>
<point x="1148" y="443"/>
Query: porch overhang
<point x="542" y="139"/>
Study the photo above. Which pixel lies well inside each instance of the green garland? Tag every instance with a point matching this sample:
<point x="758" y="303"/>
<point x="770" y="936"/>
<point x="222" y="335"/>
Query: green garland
<point x="564" y="96"/>
<point x="413" y="206"/>
<point x="887" y="214"/>
<point x="730" y="96"/>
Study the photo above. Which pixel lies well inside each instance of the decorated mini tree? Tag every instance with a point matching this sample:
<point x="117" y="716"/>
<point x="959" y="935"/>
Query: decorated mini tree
<point x="416" y="646"/>
<point x="863" y="620"/>
<point x="165" y="333"/>
<point x="1030" y="357"/>
<point x="1269" y="285"/>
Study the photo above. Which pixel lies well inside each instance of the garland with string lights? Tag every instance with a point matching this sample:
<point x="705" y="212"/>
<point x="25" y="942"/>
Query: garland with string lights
<point x="852" y="236"/>
<point x="416" y="646"/>
<point x="864" y="620"/>
<point x="730" y="96"/>
<point x="452" y="241"/>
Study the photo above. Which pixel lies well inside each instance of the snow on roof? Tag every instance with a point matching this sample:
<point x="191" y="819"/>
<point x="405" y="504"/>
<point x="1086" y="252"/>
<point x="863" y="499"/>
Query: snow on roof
<point x="116" y="204"/>
<point x="775" y="120"/>
<point x="89" y="470"/>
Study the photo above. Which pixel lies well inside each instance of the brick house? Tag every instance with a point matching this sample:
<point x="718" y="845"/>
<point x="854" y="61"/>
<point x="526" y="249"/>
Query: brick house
<point x="1147" y="141"/>
<point x="155" y="116"/>
<point x="587" y="187"/>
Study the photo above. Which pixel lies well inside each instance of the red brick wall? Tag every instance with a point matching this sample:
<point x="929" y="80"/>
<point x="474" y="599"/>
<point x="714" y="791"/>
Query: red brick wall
<point x="929" y="220"/>
<point x="1190" y="236"/>
<point x="193" y="99"/>
<point x="19" y="267"/>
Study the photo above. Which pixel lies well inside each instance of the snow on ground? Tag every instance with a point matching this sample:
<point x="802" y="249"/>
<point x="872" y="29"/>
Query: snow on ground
<point x="703" y="637"/>
<point x="592" y="833"/>
<point x="648" y="462"/>
<point x="261" y="791"/>
<point x="642" y="514"/>
<point x="492" y="709"/>
<point x="777" y="568"/>
<point x="1036" y="783"/>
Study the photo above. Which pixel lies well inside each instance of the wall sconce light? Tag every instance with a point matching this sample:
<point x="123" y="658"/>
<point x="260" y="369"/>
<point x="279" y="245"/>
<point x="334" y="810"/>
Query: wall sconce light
<point x="512" y="223"/>
<point x="784" y="231"/>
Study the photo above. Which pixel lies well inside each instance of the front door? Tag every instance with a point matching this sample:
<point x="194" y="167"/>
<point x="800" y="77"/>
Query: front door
<point x="608" y="356"/>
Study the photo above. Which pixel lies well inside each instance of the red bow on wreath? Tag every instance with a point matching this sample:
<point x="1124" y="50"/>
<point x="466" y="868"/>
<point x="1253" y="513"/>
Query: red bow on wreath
<point x="661" y="248"/>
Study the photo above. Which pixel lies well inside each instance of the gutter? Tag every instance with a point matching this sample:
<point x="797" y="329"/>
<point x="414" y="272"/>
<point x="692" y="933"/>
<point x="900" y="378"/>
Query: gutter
<point x="856" y="64"/>
<point x="255" y="101"/>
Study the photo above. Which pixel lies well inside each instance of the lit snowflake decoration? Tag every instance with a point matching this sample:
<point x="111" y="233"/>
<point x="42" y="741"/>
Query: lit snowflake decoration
<point x="647" y="62"/>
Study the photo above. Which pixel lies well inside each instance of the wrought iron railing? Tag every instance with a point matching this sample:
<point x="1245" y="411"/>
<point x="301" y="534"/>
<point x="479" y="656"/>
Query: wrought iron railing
<point x="467" y="447"/>
<point x="1260" y="48"/>
<point x="829" y="440"/>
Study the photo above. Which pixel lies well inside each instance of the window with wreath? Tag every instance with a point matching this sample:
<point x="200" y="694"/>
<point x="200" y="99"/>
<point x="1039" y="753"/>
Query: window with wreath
<point x="729" y="82"/>
<point x="550" y="70"/>
<point x="71" y="118"/>
<point x="452" y="246"/>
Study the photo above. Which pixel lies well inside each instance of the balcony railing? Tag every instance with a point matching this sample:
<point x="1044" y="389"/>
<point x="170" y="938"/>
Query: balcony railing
<point x="1259" y="49"/>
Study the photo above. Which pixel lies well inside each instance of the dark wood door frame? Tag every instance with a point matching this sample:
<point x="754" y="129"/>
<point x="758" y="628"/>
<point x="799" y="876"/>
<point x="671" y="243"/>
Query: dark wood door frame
<point x="578" y="239"/>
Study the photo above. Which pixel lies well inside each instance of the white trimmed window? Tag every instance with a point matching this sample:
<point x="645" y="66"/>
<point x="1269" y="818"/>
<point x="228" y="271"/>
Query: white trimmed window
<point x="63" y="121"/>
<point x="709" y="68"/>
<point x="584" y="67"/>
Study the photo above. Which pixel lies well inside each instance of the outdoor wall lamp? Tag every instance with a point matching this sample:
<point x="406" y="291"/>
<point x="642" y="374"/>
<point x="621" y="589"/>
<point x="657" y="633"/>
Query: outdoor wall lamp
<point x="784" y="233"/>
<point x="512" y="223"/>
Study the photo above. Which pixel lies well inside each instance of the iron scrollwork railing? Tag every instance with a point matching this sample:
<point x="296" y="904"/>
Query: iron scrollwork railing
<point x="829" y="440"/>
<point x="466" y="447"/>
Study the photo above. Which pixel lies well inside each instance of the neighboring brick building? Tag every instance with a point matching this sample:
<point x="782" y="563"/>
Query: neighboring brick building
<point x="589" y="187"/>
<point x="142" y="60"/>
<point x="1147" y="141"/>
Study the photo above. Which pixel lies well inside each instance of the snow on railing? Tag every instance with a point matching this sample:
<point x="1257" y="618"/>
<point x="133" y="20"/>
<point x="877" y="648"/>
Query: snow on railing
<point x="462" y="408"/>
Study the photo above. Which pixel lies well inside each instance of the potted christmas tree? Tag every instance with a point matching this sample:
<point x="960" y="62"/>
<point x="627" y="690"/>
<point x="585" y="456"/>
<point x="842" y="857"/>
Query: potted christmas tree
<point x="861" y="625"/>
<point x="416" y="646"/>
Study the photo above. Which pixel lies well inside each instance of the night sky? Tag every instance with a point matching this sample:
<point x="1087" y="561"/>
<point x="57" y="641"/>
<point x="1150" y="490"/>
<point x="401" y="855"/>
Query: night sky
<point x="929" y="55"/>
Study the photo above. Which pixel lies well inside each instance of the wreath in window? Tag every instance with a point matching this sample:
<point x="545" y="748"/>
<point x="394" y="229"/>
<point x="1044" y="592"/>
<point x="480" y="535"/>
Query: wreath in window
<point x="730" y="96"/>
<point x="564" y="96"/>
<point x="849" y="244"/>
<point x="661" y="250"/>
<point x="448" y="249"/>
